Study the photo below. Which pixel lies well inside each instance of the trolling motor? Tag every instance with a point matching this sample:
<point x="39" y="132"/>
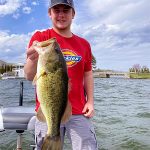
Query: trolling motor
<point x="17" y="118"/>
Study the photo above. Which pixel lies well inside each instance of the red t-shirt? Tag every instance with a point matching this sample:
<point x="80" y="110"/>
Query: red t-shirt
<point x="77" y="53"/>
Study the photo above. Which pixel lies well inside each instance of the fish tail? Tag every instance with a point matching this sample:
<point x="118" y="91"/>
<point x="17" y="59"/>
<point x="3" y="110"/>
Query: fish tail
<point x="52" y="143"/>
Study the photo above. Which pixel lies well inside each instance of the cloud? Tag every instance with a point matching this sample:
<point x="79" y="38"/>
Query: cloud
<point x="16" y="15"/>
<point x="14" y="6"/>
<point x="32" y="20"/>
<point x="117" y="30"/>
<point x="115" y="11"/>
<point x="9" y="7"/>
<point x="35" y="3"/>
<point x="27" y="10"/>
<point x="112" y="45"/>
<point x="13" y="46"/>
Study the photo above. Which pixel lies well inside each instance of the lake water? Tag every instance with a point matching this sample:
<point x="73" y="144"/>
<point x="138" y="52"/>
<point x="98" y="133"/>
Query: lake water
<point x="122" y="113"/>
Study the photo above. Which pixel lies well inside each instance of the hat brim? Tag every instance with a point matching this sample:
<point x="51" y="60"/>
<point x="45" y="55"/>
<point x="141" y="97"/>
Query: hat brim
<point x="61" y="4"/>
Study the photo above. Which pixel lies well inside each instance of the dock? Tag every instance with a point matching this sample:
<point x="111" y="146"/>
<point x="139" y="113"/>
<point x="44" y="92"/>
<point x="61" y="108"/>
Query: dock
<point x="110" y="74"/>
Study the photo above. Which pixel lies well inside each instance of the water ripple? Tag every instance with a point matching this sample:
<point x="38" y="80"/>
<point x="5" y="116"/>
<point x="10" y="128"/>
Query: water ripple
<point x="122" y="113"/>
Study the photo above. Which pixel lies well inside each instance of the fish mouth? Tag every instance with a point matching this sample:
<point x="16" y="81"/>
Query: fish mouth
<point x="46" y="43"/>
<point x="42" y="47"/>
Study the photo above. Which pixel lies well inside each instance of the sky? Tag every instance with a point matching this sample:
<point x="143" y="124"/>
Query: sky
<point x="118" y="30"/>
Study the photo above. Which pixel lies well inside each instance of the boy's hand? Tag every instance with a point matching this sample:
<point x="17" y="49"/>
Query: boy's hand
<point x="88" y="110"/>
<point x="32" y="54"/>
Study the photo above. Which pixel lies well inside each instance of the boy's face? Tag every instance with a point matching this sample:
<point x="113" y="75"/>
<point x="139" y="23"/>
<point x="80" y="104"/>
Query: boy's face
<point x="61" y="16"/>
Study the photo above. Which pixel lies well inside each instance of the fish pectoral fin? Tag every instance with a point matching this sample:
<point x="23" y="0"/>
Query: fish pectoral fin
<point x="43" y="72"/>
<point x="67" y="113"/>
<point x="40" y="116"/>
<point x="34" y="80"/>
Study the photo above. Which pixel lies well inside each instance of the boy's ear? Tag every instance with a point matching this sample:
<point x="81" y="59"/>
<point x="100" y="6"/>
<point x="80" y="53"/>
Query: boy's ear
<point x="73" y="14"/>
<point x="49" y="12"/>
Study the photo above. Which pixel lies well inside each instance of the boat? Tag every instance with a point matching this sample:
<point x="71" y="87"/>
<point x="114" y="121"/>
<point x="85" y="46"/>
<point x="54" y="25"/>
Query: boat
<point x="8" y="76"/>
<point x="17" y="118"/>
<point x="20" y="118"/>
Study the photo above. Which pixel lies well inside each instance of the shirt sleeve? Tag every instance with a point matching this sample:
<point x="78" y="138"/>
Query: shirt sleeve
<point x="88" y="59"/>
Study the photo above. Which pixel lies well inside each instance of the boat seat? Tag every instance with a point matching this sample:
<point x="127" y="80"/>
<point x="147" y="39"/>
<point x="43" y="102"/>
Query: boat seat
<point x="17" y="118"/>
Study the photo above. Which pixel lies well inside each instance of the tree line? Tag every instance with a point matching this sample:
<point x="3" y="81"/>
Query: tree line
<point x="139" y="69"/>
<point x="93" y="62"/>
<point x="6" y="68"/>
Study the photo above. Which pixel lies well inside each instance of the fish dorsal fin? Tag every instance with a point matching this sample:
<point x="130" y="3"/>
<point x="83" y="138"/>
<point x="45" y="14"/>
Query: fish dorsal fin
<point x="42" y="73"/>
<point x="67" y="114"/>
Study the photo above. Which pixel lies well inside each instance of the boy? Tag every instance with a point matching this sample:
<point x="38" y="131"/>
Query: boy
<point x="78" y="57"/>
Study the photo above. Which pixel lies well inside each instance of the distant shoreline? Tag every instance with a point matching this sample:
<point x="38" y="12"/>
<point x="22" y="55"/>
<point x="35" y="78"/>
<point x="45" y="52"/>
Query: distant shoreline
<point x="109" y="74"/>
<point x="139" y="75"/>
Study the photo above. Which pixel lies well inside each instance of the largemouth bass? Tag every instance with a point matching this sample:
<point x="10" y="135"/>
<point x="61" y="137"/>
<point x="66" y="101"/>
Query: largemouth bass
<point x="52" y="91"/>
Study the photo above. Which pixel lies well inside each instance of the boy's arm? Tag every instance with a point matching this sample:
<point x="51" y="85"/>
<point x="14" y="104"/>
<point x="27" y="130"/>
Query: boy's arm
<point x="89" y="88"/>
<point x="30" y="67"/>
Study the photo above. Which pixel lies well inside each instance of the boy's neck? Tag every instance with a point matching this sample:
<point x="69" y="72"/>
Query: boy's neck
<point x="65" y="33"/>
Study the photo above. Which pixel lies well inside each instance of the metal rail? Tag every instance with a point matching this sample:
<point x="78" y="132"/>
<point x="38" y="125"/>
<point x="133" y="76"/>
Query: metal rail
<point x="19" y="137"/>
